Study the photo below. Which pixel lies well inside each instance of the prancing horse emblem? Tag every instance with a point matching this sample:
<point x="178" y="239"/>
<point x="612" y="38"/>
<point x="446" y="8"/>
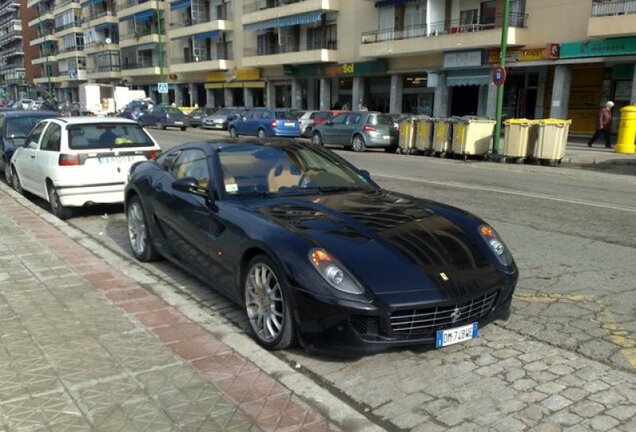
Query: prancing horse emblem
<point x="455" y="315"/>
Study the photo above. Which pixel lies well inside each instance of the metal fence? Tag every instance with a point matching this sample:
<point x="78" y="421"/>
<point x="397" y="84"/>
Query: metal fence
<point x="607" y="8"/>
<point x="255" y="5"/>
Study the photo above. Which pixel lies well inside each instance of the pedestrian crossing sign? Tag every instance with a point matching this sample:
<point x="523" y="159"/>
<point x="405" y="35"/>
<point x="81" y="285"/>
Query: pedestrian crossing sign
<point x="162" y="87"/>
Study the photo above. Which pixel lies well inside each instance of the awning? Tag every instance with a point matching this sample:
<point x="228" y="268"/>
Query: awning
<point x="104" y="26"/>
<point x="254" y="84"/>
<point x="206" y="35"/>
<point x="145" y="15"/>
<point x="126" y="18"/>
<point x="180" y="4"/>
<point x="146" y="47"/>
<point x="288" y="21"/>
<point x="476" y="77"/>
<point x="212" y="86"/>
<point x="385" y="3"/>
<point x="89" y="2"/>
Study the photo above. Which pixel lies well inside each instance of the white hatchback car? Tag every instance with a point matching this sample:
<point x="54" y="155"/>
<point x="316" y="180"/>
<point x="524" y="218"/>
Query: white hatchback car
<point x="77" y="161"/>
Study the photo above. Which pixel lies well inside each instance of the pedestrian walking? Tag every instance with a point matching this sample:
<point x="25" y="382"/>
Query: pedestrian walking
<point x="604" y="123"/>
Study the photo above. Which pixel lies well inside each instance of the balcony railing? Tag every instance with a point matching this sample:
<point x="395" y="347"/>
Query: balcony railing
<point x="285" y="49"/>
<point x="67" y="26"/>
<point x="100" y="14"/>
<point x="139" y="65"/>
<point x="219" y="55"/>
<point x="104" y="68"/>
<point x="186" y="21"/>
<point x="137" y="34"/>
<point x="130" y="3"/>
<point x="256" y="5"/>
<point x="100" y="44"/>
<point x="73" y="48"/>
<point x="60" y="3"/>
<point x="608" y="8"/>
<point x="440" y="28"/>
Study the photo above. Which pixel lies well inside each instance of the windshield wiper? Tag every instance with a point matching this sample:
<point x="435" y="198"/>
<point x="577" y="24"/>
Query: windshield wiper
<point x="287" y="191"/>
<point x="258" y="194"/>
<point x="339" y="188"/>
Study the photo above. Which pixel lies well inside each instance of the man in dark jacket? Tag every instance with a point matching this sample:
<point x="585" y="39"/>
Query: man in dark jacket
<point x="603" y="125"/>
<point x="47" y="105"/>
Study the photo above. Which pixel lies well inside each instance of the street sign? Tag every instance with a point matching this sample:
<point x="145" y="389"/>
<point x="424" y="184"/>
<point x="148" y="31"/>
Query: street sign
<point x="499" y="75"/>
<point x="162" y="87"/>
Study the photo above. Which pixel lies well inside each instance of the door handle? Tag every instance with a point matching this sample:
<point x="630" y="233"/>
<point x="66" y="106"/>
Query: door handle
<point x="32" y="156"/>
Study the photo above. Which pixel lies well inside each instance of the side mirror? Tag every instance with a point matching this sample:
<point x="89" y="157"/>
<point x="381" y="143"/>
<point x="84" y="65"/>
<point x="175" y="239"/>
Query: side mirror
<point x="365" y="174"/>
<point x="329" y="123"/>
<point x="189" y="185"/>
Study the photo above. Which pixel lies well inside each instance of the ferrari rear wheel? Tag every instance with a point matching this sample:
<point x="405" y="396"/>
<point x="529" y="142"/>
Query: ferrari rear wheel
<point x="267" y="305"/>
<point x="138" y="233"/>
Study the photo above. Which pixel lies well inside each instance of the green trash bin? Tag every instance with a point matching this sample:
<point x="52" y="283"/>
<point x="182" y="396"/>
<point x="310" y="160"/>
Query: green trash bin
<point x="520" y="136"/>
<point x="552" y="137"/>
<point x="472" y="136"/>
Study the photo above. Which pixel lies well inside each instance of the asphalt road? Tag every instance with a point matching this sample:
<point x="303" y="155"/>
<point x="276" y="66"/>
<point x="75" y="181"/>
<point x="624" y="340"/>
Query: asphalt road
<point x="572" y="234"/>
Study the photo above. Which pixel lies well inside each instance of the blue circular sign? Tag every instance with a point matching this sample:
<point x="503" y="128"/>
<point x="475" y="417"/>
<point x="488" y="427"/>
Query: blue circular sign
<point x="499" y="75"/>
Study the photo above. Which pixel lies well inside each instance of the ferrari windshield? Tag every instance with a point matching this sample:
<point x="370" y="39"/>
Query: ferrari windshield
<point x="285" y="170"/>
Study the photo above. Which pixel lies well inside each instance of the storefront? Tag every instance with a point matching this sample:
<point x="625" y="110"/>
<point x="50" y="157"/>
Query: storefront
<point x="239" y="87"/>
<point x="417" y="97"/>
<point x="467" y="82"/>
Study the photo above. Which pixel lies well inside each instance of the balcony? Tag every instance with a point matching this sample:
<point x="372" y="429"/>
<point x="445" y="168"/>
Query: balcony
<point x="442" y="36"/>
<point x="206" y="61"/>
<point x="73" y="27"/>
<point x="12" y="52"/>
<point x="284" y="8"/>
<point x="64" y="5"/>
<point x="44" y="80"/>
<point x="70" y="52"/>
<point x="42" y="39"/>
<point x="43" y="60"/>
<point x="277" y="55"/>
<point x="95" y="47"/>
<point x="185" y="29"/>
<point x="130" y="7"/>
<point x="105" y="72"/>
<point x="10" y="36"/>
<point x="138" y="38"/>
<point x="612" y="19"/>
<point x="98" y="18"/>
<point x="144" y="68"/>
<point x="43" y="16"/>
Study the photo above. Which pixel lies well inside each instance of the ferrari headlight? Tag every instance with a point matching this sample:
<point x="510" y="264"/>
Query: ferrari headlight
<point x="334" y="272"/>
<point x="496" y="245"/>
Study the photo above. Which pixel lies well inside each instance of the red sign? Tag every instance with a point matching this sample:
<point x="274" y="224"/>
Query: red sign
<point x="499" y="75"/>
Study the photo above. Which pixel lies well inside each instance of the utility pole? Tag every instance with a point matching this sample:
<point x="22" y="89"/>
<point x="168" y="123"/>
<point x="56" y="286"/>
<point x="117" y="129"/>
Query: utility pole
<point x="503" y="52"/>
<point x="162" y="76"/>
<point x="47" y="67"/>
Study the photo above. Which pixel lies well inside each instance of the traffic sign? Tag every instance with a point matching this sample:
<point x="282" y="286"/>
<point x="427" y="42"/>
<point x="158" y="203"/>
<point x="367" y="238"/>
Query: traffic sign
<point x="499" y="75"/>
<point x="162" y="87"/>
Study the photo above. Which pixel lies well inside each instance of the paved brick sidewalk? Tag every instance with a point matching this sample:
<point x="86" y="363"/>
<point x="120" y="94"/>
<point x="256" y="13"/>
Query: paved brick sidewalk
<point x="82" y="347"/>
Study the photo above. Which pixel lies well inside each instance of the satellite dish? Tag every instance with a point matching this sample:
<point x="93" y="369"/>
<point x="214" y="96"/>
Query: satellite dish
<point x="108" y="40"/>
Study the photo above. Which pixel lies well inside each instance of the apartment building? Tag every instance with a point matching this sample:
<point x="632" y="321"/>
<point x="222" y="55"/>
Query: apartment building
<point x="422" y="56"/>
<point x="15" y="54"/>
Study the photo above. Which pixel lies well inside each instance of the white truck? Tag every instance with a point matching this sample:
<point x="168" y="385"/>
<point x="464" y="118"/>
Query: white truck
<point x="103" y="99"/>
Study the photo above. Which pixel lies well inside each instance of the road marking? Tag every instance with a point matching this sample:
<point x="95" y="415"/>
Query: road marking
<point x="512" y="192"/>
<point x="619" y="335"/>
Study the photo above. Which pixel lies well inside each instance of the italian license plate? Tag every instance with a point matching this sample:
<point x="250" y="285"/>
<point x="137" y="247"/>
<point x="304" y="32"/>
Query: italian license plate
<point x="115" y="159"/>
<point x="178" y="122"/>
<point x="289" y="124"/>
<point x="456" y="335"/>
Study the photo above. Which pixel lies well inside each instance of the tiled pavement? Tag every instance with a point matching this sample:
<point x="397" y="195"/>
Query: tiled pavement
<point x="82" y="347"/>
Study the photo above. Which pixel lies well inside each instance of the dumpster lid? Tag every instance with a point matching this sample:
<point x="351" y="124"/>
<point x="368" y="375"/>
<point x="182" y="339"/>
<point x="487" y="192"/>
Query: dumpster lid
<point x="521" y="121"/>
<point x="555" y="121"/>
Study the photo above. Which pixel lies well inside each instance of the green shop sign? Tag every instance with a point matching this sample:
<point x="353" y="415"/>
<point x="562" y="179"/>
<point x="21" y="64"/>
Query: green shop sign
<point x="599" y="48"/>
<point x="344" y="69"/>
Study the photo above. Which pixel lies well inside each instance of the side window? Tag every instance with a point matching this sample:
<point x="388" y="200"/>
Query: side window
<point x="268" y="115"/>
<point x="34" y="136"/>
<point x="340" y="119"/>
<point x="248" y="115"/>
<point x="353" y="119"/>
<point x="192" y="163"/>
<point x="52" y="137"/>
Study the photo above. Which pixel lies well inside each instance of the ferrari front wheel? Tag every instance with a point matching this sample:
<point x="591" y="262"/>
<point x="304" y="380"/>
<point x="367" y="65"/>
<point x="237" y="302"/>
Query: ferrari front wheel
<point x="267" y="304"/>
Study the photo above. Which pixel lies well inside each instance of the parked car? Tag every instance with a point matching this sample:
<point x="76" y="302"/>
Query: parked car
<point x="134" y="110"/>
<point x="358" y="130"/>
<point x="315" y="251"/>
<point x="70" y="109"/>
<point x="76" y="161"/>
<point x="23" y="104"/>
<point x="165" y="117"/>
<point x="316" y="118"/>
<point x="222" y="118"/>
<point x="14" y="128"/>
<point x="306" y="123"/>
<point x="265" y="122"/>
<point x="196" y="116"/>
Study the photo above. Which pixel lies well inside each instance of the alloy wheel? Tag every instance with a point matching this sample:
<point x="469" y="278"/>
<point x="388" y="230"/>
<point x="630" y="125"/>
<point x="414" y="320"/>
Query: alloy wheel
<point x="137" y="233"/>
<point x="358" y="144"/>
<point x="264" y="302"/>
<point x="316" y="139"/>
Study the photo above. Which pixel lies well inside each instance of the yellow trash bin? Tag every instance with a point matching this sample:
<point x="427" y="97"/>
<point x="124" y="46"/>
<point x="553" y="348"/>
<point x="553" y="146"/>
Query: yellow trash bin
<point x="423" y="141"/>
<point x="442" y="136"/>
<point x="626" y="131"/>
<point x="407" y="136"/>
<point x="472" y="136"/>
<point x="552" y="137"/>
<point x="520" y="136"/>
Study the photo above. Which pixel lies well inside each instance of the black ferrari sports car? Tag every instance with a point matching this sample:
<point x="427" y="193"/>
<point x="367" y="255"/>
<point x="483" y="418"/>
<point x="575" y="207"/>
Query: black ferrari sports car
<point x="315" y="251"/>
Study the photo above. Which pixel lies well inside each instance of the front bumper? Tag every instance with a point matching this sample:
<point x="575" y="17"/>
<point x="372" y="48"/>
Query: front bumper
<point x="219" y="126"/>
<point x="350" y="331"/>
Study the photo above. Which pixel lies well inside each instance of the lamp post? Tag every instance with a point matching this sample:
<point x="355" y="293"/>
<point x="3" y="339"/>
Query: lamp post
<point x="162" y="76"/>
<point x="47" y="66"/>
<point x="503" y="52"/>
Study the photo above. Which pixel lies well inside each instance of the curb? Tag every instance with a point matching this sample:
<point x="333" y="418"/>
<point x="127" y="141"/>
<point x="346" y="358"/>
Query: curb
<point x="331" y="407"/>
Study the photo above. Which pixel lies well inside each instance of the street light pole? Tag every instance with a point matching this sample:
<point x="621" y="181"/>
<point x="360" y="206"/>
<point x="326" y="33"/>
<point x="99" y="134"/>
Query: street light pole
<point x="162" y="76"/>
<point x="48" y="72"/>
<point x="503" y="52"/>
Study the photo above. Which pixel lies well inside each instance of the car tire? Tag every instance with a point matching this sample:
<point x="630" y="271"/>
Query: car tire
<point x="138" y="232"/>
<point x="261" y="134"/>
<point x="15" y="181"/>
<point x="233" y="133"/>
<point x="393" y="149"/>
<point x="316" y="139"/>
<point x="56" y="206"/>
<point x="183" y="129"/>
<point x="307" y="132"/>
<point x="8" y="176"/>
<point x="357" y="143"/>
<point x="267" y="303"/>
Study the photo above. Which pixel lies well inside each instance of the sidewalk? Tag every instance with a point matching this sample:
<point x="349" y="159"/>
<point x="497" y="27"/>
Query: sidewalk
<point x="577" y="153"/>
<point x="83" y="347"/>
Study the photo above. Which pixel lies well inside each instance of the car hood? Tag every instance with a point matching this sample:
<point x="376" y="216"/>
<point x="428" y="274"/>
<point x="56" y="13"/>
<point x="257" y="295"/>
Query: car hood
<point x="392" y="243"/>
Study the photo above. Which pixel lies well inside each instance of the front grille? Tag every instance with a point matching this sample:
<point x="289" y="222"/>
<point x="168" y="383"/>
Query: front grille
<point x="426" y="322"/>
<point x="365" y="325"/>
